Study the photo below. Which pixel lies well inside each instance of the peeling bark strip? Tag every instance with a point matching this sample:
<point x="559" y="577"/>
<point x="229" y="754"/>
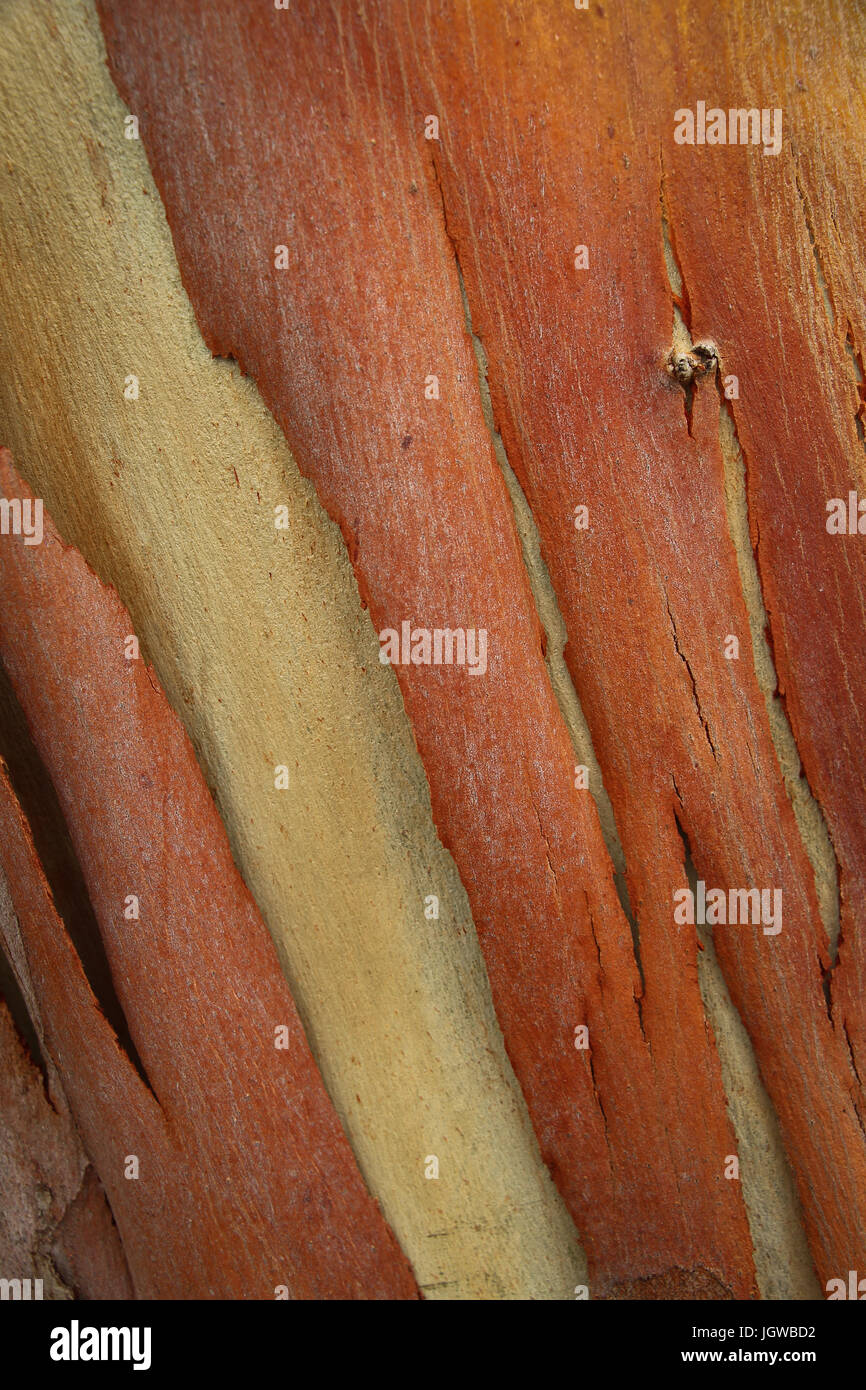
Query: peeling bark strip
<point x="245" y="1180"/>
<point x="320" y="261"/>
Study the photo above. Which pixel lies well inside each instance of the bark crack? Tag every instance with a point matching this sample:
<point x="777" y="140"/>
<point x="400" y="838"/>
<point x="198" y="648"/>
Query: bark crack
<point x="676" y="280"/>
<point x="811" y="823"/>
<point x="681" y="335"/>
<point x="856" y="359"/>
<point x="681" y="654"/>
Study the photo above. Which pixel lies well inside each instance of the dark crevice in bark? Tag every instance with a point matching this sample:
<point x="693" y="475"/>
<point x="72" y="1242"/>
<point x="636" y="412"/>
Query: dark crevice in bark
<point x="856" y="359"/>
<point x="40" y="804"/>
<point x="11" y="995"/>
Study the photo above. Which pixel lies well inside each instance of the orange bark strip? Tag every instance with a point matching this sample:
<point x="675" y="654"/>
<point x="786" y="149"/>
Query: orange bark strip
<point x="304" y="148"/>
<point x="246" y="1182"/>
<point x="651" y="591"/>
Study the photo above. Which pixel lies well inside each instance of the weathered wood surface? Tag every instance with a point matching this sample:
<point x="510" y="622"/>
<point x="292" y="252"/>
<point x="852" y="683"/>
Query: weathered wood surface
<point x="243" y="1180"/>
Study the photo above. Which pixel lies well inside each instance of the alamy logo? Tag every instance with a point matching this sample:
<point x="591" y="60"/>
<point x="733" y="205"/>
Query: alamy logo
<point x="76" y="1343"/>
<point x="846" y="521"/>
<point x="836" y="1287"/>
<point x="438" y="646"/>
<point x="22" y="1290"/>
<point x="22" y="518"/>
<point x="738" y="126"/>
<point x="739" y="906"/>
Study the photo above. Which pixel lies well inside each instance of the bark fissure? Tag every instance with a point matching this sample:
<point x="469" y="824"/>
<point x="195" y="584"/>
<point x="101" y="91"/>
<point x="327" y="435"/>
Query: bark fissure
<point x="684" y="659"/>
<point x="856" y="359"/>
<point x="811" y="822"/>
<point x="676" y="279"/>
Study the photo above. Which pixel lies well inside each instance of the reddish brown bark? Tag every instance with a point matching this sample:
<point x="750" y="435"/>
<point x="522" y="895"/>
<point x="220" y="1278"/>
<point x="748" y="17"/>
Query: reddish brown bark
<point x="682" y="733"/>
<point x="246" y="1181"/>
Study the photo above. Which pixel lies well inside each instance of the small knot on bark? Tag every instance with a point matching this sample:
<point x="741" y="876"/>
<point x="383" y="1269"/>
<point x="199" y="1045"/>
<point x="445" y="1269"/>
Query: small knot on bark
<point x="696" y="361"/>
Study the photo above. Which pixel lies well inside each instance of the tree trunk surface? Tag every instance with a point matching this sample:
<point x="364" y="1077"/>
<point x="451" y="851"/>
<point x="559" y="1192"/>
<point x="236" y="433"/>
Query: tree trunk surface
<point x="517" y="348"/>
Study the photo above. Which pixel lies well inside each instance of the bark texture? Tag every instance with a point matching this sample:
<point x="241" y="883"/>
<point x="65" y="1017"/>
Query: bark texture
<point x="453" y="244"/>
